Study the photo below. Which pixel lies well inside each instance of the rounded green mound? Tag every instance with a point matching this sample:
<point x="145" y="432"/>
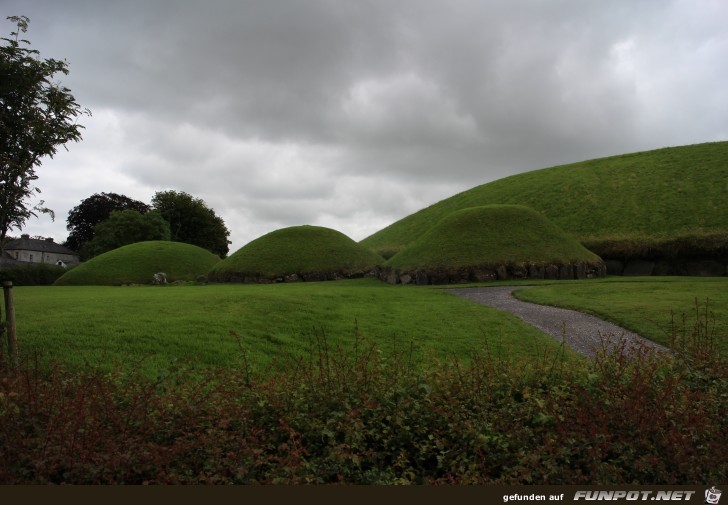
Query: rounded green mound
<point x="493" y="242"/>
<point x="137" y="264"/>
<point x="308" y="253"/>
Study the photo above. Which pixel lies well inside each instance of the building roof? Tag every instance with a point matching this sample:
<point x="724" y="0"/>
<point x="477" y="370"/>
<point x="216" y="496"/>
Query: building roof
<point x="25" y="243"/>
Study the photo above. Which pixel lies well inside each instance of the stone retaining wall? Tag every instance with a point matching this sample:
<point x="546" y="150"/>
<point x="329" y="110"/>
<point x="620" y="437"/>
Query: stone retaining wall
<point x="688" y="267"/>
<point x="494" y="273"/>
<point x="300" y="277"/>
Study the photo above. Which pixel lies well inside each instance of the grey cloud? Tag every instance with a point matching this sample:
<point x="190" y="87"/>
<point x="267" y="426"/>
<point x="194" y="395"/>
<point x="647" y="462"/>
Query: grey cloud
<point x="340" y="112"/>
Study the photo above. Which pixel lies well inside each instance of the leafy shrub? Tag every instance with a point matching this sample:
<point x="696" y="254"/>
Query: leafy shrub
<point x="365" y="418"/>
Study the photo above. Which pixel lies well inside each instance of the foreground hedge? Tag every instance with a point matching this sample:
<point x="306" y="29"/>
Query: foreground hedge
<point x="32" y="274"/>
<point x="364" y="419"/>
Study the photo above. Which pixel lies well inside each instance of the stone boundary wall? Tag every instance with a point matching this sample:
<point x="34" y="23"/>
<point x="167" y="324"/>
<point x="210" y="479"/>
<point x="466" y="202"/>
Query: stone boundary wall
<point x="306" y="277"/>
<point x="678" y="267"/>
<point x="494" y="273"/>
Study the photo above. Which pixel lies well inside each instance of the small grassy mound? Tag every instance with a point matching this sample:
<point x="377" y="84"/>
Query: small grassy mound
<point x="490" y="237"/>
<point x="670" y="201"/>
<point x="297" y="253"/>
<point x="137" y="263"/>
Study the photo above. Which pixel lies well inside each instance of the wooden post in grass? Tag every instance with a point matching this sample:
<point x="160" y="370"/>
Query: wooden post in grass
<point x="10" y="325"/>
<point x="2" y="342"/>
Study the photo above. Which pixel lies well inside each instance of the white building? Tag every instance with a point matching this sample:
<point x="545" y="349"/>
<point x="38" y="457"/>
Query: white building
<point x="29" y="250"/>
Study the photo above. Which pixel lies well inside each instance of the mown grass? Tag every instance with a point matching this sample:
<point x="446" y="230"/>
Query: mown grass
<point x="223" y="324"/>
<point x="299" y="250"/>
<point x="137" y="263"/>
<point x="658" y="195"/>
<point x="491" y="235"/>
<point x="647" y="306"/>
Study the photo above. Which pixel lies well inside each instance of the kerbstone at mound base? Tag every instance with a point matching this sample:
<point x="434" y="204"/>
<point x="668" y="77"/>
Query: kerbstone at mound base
<point x="706" y="268"/>
<point x="501" y="272"/>
<point x="639" y="268"/>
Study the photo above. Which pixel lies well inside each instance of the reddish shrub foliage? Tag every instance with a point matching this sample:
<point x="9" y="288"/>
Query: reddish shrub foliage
<point x="359" y="418"/>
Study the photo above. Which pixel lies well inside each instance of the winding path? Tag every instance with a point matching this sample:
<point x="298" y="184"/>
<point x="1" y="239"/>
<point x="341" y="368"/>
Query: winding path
<point x="584" y="333"/>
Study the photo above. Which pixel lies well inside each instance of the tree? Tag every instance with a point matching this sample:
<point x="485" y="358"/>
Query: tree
<point x="127" y="227"/>
<point x="93" y="210"/>
<point x="37" y="116"/>
<point x="192" y="221"/>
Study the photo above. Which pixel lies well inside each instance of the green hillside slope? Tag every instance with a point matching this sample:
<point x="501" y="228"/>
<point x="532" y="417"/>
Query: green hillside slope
<point x="297" y="253"/>
<point x="137" y="263"/>
<point x="672" y="197"/>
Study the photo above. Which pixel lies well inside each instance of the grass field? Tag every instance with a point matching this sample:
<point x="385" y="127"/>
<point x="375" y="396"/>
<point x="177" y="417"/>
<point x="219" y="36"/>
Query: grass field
<point x="218" y="324"/>
<point x="152" y="327"/>
<point x="644" y="305"/>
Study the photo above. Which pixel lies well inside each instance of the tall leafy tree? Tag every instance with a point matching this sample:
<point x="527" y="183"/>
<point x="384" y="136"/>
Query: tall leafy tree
<point x="192" y="221"/>
<point x="37" y="115"/>
<point x="127" y="227"/>
<point x="84" y="217"/>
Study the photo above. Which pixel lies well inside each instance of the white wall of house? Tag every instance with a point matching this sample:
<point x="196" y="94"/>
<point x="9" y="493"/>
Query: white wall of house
<point x="41" y="257"/>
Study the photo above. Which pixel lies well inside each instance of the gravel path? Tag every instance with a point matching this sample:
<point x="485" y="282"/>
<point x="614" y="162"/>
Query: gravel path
<point x="584" y="333"/>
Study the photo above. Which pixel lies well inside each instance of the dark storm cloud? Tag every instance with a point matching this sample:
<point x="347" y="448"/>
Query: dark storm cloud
<point x="356" y="113"/>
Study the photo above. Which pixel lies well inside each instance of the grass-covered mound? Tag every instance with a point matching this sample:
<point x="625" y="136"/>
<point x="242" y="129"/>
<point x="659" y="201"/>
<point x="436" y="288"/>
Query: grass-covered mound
<point x="494" y="242"/>
<point x="668" y="202"/>
<point x="309" y="253"/>
<point x="137" y="264"/>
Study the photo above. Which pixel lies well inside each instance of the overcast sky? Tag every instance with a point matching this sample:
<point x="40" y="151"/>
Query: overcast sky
<point x="352" y="114"/>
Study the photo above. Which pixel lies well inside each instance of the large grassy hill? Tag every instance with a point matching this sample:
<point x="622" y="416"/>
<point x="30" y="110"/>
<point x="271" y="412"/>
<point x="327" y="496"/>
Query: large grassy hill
<point x="297" y="253"/>
<point x="137" y="263"/>
<point x="667" y="198"/>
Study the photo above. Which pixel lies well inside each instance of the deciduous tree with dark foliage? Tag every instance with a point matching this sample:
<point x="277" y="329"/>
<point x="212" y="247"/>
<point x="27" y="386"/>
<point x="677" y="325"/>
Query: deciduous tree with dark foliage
<point x="192" y="221"/>
<point x="126" y="227"/>
<point x="37" y="115"/>
<point x="93" y="210"/>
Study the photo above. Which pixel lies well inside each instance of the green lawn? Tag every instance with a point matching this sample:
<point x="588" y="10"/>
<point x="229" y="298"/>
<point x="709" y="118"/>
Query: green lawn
<point x="644" y="305"/>
<point x="216" y="325"/>
<point x="151" y="326"/>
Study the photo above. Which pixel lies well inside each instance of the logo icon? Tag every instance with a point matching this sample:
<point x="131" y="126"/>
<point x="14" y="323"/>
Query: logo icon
<point x="712" y="496"/>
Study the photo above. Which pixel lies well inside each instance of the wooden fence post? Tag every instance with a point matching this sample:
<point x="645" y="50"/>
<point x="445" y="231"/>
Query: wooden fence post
<point x="10" y="318"/>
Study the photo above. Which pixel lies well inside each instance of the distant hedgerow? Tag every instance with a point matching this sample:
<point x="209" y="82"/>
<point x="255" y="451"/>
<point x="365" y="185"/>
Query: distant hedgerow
<point x="32" y="274"/>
